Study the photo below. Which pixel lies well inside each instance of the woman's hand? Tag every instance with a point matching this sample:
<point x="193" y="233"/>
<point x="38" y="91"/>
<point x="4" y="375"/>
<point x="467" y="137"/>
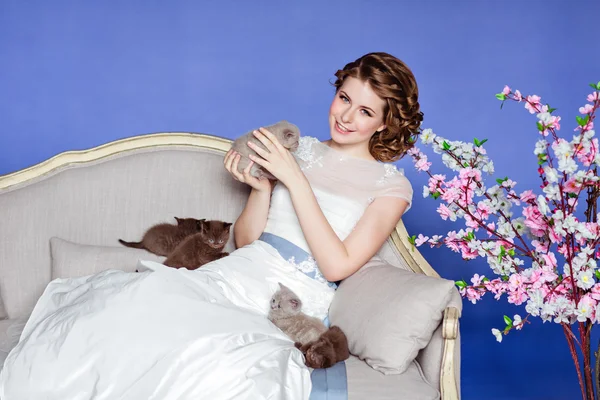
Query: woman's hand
<point x="231" y="162"/>
<point x="276" y="159"/>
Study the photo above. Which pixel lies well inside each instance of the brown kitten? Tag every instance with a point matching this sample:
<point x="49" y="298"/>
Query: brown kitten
<point x="201" y="248"/>
<point x="328" y="350"/>
<point x="288" y="135"/>
<point x="286" y="313"/>
<point x="162" y="239"/>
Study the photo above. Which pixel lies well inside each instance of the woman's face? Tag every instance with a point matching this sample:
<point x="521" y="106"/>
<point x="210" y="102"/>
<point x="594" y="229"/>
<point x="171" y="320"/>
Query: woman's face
<point x="356" y="113"/>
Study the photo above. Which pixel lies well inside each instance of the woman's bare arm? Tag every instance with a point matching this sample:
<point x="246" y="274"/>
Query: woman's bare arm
<point x="253" y="219"/>
<point x="339" y="259"/>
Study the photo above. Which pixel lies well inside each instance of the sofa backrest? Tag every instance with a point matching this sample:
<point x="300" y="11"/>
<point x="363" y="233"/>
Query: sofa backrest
<point x="115" y="191"/>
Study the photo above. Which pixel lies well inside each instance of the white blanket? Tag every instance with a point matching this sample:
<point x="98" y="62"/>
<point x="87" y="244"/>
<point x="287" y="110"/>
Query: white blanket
<point x="164" y="334"/>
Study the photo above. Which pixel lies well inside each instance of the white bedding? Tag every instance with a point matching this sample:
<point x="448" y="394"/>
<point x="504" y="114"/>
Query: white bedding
<point x="165" y="334"/>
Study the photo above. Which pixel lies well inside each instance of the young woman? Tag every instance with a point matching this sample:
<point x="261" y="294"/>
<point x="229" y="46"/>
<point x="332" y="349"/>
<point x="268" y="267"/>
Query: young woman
<point x="203" y="334"/>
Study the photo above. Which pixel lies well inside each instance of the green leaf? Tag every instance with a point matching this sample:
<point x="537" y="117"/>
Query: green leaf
<point x="412" y="239"/>
<point x="435" y="195"/>
<point x="501" y="180"/>
<point x="540" y="126"/>
<point x="502" y="251"/>
<point x="470" y="236"/>
<point x="551" y="110"/>
<point x="511" y="252"/>
<point x="593" y="85"/>
<point x="501" y="96"/>
<point x="485" y="280"/>
<point x="478" y="142"/>
<point x="446" y="146"/>
<point x="597" y="273"/>
<point x="505" y="278"/>
<point x="461" y="284"/>
<point x="507" y="320"/>
<point x="582" y="121"/>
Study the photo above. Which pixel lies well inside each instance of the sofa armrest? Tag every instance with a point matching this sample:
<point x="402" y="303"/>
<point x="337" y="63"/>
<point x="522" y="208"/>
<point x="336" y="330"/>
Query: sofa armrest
<point x="448" y="386"/>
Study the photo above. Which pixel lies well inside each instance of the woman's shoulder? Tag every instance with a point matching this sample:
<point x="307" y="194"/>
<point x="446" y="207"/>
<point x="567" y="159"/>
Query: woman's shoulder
<point x="305" y="146"/>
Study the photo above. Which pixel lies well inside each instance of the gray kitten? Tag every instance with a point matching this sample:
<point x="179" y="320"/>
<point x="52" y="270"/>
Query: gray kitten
<point x="286" y="133"/>
<point x="286" y="313"/>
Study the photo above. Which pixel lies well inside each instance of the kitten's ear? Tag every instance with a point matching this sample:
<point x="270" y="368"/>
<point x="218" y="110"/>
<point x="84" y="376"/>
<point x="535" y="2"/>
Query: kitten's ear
<point x="203" y="226"/>
<point x="295" y="303"/>
<point x="199" y="223"/>
<point x="227" y="225"/>
<point x="288" y="134"/>
<point x="178" y="220"/>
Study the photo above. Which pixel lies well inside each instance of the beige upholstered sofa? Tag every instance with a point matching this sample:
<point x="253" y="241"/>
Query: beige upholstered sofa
<point x="85" y="200"/>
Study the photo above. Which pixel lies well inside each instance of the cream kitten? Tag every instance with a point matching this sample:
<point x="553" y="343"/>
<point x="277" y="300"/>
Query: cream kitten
<point x="286" y="133"/>
<point x="286" y="313"/>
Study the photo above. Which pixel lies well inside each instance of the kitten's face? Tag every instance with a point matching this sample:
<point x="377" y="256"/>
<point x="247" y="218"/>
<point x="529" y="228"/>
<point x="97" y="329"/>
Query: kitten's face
<point x="288" y="134"/>
<point x="215" y="234"/>
<point x="285" y="302"/>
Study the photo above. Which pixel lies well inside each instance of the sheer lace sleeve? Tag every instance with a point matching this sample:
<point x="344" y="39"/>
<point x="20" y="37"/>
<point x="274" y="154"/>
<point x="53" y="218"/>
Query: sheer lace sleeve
<point x="360" y="180"/>
<point x="394" y="184"/>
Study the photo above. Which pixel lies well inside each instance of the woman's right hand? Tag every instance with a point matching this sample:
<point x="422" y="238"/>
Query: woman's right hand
<point x="231" y="162"/>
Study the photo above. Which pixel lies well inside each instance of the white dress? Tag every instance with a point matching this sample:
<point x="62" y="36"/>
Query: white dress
<point x="178" y="334"/>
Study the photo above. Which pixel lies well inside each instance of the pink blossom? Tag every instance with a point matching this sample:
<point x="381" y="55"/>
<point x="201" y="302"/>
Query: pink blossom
<point x="451" y="194"/>
<point x="533" y="102"/>
<point x="476" y="279"/>
<point x="517" y="297"/>
<point x="595" y="291"/>
<point x="563" y="248"/>
<point x="421" y="239"/>
<point x="527" y="196"/>
<point x="534" y="220"/>
<point x="451" y="241"/>
<point x="422" y="164"/>
<point x="586" y="127"/>
<point x="471" y="223"/>
<point x="473" y="294"/>
<point x="555" y="122"/>
<point x="554" y="237"/>
<point x="506" y="90"/>
<point x="587" y="156"/>
<point x="467" y="174"/>
<point x="572" y="186"/>
<point x="435" y="182"/>
<point x="550" y="259"/>
<point x="496" y="286"/>
<point x="540" y="247"/>
<point x="588" y="108"/>
<point x="492" y="227"/>
<point x="467" y="253"/>
<point x="445" y="212"/>
<point x="515" y="282"/>
<point x="592" y="97"/>
<point x="484" y="210"/>
<point x="518" y="96"/>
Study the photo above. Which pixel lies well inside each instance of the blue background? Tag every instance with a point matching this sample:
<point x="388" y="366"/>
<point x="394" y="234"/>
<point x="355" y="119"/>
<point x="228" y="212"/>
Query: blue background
<point x="74" y="75"/>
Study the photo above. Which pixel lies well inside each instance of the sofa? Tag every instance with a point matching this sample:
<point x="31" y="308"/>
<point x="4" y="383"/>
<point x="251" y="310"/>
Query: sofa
<point x="61" y="218"/>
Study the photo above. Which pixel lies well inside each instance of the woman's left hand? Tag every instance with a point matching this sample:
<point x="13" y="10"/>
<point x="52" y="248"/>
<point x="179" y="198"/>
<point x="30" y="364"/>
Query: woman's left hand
<point x="276" y="159"/>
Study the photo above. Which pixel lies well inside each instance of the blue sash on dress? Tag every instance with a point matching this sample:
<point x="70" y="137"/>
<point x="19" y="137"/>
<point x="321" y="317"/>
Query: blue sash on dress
<point x="327" y="383"/>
